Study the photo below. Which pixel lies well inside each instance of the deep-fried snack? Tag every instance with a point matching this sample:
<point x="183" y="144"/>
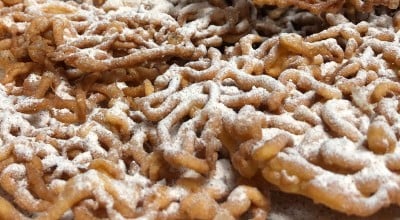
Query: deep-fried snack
<point x="330" y="6"/>
<point x="124" y="109"/>
<point x="315" y="7"/>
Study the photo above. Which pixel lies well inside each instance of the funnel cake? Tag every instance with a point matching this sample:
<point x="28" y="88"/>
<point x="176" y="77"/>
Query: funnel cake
<point x="77" y="142"/>
<point x="332" y="6"/>
<point x="346" y="160"/>
<point x="119" y="109"/>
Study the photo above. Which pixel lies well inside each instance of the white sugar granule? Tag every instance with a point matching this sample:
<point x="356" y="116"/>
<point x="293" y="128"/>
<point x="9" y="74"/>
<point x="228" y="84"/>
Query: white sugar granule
<point x="328" y="68"/>
<point x="23" y="151"/>
<point x="238" y="195"/>
<point x="92" y="142"/>
<point x="33" y="79"/>
<point x="83" y="159"/>
<point x="61" y="163"/>
<point x="172" y="208"/>
<point x="87" y="181"/>
<point x="39" y="120"/>
<point x="223" y="179"/>
<point x="17" y="170"/>
<point x="25" y="102"/>
<point x="57" y="184"/>
<point x="63" y="91"/>
<point x="121" y="85"/>
<point x="177" y="193"/>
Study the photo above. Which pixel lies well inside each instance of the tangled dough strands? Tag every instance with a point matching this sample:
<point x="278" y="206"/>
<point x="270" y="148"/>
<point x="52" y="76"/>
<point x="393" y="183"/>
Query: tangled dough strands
<point x="315" y="7"/>
<point x="333" y="127"/>
<point x="113" y="172"/>
<point x="92" y="136"/>
<point x="216" y="22"/>
<point x="368" y="197"/>
<point x="89" y="142"/>
<point x="332" y="6"/>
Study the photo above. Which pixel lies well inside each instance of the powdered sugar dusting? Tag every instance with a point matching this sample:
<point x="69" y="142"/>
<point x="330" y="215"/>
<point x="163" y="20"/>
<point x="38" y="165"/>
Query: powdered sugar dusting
<point x="222" y="88"/>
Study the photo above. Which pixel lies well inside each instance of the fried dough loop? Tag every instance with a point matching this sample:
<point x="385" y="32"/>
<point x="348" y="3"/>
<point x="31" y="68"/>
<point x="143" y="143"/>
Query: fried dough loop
<point x="331" y="6"/>
<point x="120" y="109"/>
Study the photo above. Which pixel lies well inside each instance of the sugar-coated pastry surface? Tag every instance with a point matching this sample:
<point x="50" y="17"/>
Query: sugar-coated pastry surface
<point x="120" y="109"/>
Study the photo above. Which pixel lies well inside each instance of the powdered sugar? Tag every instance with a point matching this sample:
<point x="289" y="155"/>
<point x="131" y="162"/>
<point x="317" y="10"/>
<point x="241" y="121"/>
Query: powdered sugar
<point x="25" y="102"/>
<point x="23" y="151"/>
<point x="194" y="107"/>
<point x="16" y="170"/>
<point x="63" y="91"/>
<point x="223" y="179"/>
